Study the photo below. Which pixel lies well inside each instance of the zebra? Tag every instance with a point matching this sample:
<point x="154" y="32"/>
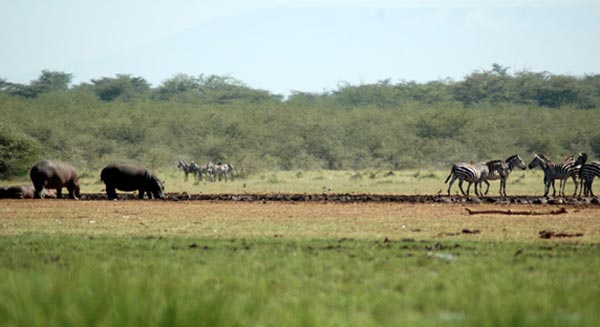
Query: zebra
<point x="187" y="168"/>
<point x="472" y="173"/>
<point x="572" y="168"/>
<point x="581" y="160"/>
<point x="223" y="171"/>
<point x="205" y="170"/>
<point x="587" y="172"/>
<point x="195" y="169"/>
<point x="503" y="172"/>
<point x="552" y="171"/>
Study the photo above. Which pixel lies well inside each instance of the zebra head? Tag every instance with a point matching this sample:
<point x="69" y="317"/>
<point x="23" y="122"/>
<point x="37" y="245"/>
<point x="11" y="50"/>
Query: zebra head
<point x="539" y="160"/>
<point x="515" y="161"/>
<point x="182" y="164"/>
<point x="581" y="159"/>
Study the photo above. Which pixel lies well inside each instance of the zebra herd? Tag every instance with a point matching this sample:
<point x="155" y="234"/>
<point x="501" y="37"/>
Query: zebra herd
<point x="482" y="172"/>
<point x="210" y="171"/>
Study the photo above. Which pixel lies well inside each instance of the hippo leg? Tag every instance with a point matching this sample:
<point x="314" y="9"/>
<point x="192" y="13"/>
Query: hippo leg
<point x="39" y="191"/>
<point x="111" y="192"/>
<point x="71" y="189"/>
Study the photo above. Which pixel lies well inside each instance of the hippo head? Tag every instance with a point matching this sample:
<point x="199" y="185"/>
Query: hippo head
<point x="156" y="187"/>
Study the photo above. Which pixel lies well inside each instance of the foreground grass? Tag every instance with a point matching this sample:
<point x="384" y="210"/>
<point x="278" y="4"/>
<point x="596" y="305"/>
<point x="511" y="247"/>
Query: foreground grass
<point x="115" y="281"/>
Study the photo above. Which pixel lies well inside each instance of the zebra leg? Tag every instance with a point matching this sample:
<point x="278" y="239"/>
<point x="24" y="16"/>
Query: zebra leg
<point x="576" y="184"/>
<point x="487" y="188"/>
<point x="468" y="188"/>
<point x="503" y="186"/>
<point x="546" y="187"/>
<point x="460" y="183"/>
<point x="451" y="182"/>
<point x="561" y="187"/>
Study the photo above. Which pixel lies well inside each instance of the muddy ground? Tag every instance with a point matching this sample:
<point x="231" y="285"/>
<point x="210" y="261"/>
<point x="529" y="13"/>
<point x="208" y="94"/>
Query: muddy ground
<point x="360" y="198"/>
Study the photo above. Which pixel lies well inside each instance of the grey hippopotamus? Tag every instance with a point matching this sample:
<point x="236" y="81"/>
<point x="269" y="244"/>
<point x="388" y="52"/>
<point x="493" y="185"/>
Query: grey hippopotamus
<point x="23" y="192"/>
<point x="53" y="174"/>
<point x="128" y="177"/>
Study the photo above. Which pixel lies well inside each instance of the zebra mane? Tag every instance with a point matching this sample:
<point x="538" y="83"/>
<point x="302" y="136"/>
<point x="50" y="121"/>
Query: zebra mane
<point x="495" y="164"/>
<point x="511" y="158"/>
<point x="544" y="157"/>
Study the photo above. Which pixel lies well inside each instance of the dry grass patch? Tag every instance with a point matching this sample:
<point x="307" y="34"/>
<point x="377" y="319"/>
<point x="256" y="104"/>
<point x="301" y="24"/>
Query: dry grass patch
<point x="290" y="220"/>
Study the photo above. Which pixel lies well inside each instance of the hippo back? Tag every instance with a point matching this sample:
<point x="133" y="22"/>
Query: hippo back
<point x="128" y="177"/>
<point x="53" y="174"/>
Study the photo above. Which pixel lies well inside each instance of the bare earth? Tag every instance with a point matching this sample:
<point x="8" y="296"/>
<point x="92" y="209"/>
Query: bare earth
<point x="217" y="219"/>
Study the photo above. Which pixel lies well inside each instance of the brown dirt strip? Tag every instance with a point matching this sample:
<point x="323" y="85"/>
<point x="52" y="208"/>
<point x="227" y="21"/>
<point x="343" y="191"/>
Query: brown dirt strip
<point x="280" y="219"/>
<point x="358" y="198"/>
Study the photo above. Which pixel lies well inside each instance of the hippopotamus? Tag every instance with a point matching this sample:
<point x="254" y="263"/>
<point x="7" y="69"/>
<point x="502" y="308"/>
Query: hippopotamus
<point x="53" y="174"/>
<point x="128" y="177"/>
<point x="23" y="192"/>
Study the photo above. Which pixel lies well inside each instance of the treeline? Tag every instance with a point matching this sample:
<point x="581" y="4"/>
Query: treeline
<point x="489" y="114"/>
<point x="495" y="86"/>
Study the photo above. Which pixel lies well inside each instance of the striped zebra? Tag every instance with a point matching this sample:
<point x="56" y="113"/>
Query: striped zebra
<point x="187" y="168"/>
<point x="223" y="171"/>
<point x="587" y="172"/>
<point x="581" y="160"/>
<point x="553" y="171"/>
<point x="472" y="173"/>
<point x="503" y="171"/>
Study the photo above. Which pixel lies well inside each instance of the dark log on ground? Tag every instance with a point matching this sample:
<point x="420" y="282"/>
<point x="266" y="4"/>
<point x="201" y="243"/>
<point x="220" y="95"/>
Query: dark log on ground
<point x="516" y="212"/>
<point x="551" y="234"/>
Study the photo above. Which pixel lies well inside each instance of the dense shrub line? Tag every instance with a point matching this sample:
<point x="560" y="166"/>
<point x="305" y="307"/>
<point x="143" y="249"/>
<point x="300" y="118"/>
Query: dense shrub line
<point x="383" y="125"/>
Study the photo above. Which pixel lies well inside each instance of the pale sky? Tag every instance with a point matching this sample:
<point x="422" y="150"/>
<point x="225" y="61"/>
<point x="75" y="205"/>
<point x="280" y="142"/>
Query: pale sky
<point x="309" y="45"/>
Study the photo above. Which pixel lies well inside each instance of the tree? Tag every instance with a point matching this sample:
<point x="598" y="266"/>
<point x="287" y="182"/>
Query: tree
<point x="18" y="152"/>
<point x="225" y="89"/>
<point x="178" y="85"/>
<point x="49" y="81"/>
<point x="123" y="87"/>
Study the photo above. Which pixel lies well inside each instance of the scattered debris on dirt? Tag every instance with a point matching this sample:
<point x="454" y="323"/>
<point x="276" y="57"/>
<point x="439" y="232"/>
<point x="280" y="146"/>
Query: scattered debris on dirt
<point x="517" y="212"/>
<point x="364" y="198"/>
<point x="551" y="234"/>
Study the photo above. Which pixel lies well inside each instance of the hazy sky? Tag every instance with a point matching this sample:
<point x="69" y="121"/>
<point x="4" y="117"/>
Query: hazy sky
<point x="306" y="45"/>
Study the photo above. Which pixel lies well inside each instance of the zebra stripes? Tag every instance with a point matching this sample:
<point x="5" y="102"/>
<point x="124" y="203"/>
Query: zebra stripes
<point x="483" y="172"/>
<point x="503" y="171"/>
<point x="587" y="172"/>
<point x="213" y="171"/>
<point x="187" y="168"/>
<point x="553" y="171"/>
<point x="472" y="173"/>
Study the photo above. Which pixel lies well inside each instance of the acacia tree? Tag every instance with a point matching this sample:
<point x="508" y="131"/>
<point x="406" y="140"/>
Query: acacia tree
<point x="123" y="87"/>
<point x="49" y="81"/>
<point x="179" y="85"/>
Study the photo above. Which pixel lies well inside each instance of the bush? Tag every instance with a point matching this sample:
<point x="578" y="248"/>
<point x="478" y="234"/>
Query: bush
<point x="18" y="152"/>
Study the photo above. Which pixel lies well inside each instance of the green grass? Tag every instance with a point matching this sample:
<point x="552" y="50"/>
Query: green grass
<point x="426" y="181"/>
<point x="337" y="181"/>
<point x="58" y="280"/>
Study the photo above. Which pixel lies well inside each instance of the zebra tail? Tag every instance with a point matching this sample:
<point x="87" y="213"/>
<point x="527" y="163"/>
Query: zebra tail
<point x="447" y="179"/>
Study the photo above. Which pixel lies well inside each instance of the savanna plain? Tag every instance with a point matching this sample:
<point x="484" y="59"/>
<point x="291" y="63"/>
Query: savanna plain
<point x="217" y="263"/>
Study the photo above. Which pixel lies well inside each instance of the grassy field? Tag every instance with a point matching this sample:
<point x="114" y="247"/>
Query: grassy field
<point x="112" y="263"/>
<point x="529" y="182"/>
